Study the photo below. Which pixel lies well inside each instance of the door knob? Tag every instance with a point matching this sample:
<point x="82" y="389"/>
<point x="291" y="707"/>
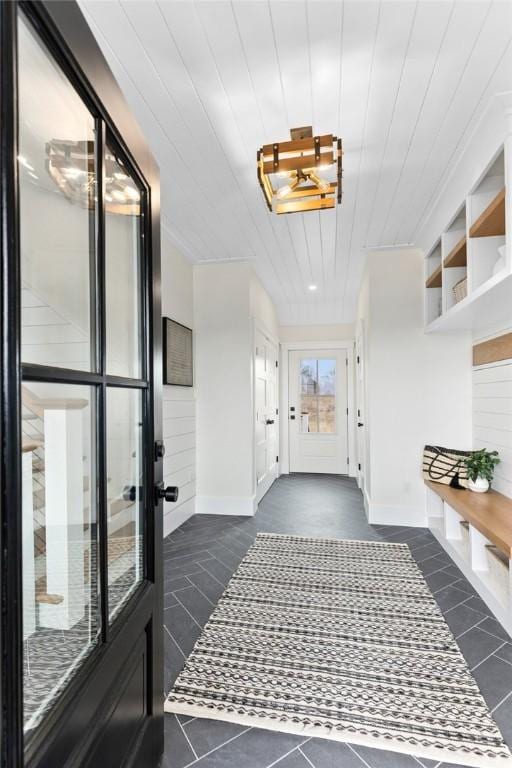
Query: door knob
<point x="169" y="493"/>
<point x="360" y="424"/>
<point x="269" y="421"/>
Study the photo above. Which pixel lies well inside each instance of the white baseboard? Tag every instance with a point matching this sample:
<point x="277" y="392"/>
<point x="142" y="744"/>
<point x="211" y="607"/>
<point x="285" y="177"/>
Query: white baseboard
<point x="173" y="518"/>
<point x="395" y="514"/>
<point x="266" y="484"/>
<point x="226" y="505"/>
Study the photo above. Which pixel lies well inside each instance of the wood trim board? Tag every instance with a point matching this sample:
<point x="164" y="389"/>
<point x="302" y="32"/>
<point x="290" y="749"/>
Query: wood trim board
<point x="494" y="350"/>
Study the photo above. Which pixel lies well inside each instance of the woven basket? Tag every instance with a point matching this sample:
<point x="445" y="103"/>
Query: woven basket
<point x="460" y="290"/>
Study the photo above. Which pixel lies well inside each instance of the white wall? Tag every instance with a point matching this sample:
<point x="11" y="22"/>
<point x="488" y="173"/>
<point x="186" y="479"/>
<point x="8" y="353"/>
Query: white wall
<point x="224" y="388"/>
<point x="418" y="387"/>
<point x="262" y="308"/>
<point x="228" y="301"/>
<point x="289" y="333"/>
<point x="179" y="419"/>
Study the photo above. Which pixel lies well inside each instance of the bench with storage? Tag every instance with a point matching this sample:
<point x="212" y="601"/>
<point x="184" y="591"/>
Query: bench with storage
<point x="476" y="531"/>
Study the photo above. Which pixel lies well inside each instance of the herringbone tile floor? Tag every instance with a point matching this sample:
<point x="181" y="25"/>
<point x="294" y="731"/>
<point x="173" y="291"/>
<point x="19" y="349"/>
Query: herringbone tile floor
<point x="202" y="554"/>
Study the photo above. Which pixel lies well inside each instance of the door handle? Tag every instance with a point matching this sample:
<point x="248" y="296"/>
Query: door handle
<point x="269" y="421"/>
<point x="169" y="493"/>
<point x="360" y="424"/>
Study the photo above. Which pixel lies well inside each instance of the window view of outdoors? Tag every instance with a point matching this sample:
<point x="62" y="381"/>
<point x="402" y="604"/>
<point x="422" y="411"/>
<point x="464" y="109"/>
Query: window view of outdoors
<point x="318" y="396"/>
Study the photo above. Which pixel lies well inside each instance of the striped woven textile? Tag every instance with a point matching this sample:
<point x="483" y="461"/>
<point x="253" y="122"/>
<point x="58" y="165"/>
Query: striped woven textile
<point x="342" y="640"/>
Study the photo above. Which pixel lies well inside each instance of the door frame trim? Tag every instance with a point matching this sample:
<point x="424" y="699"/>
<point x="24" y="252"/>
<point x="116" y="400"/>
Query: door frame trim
<point x="257" y="324"/>
<point x="284" y="399"/>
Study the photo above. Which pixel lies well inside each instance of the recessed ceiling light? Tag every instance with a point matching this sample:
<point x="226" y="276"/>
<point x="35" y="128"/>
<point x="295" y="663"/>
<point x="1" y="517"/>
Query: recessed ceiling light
<point x="312" y="287"/>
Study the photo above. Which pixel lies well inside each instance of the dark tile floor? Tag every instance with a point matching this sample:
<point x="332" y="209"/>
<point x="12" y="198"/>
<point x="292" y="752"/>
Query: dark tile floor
<point x="200" y="557"/>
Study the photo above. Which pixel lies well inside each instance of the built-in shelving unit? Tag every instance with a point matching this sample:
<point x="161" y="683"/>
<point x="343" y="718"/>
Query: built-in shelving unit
<point x="436" y="278"/>
<point x="434" y="283"/>
<point x="468" y="273"/>
<point x="491" y="222"/>
<point x="458" y="255"/>
<point x="476" y="531"/>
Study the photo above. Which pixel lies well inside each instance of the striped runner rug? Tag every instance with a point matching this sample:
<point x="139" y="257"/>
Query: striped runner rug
<point x="342" y="640"/>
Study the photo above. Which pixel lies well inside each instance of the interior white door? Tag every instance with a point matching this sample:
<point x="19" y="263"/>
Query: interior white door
<point x="360" y="409"/>
<point x="266" y="412"/>
<point x="318" y="418"/>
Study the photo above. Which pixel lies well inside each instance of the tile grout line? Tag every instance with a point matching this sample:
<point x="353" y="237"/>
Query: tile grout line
<point x="462" y="602"/>
<point x="487" y="657"/>
<point x="509" y="694"/>
<point x="492" y="633"/>
<point x="212" y="576"/>
<point x="187" y="738"/>
<point x="220" y="745"/>
<point x="186" y="609"/>
<point x="203" y="594"/>
<point x="306" y="757"/>
<point x="501" y="657"/>
<point x="286" y="754"/>
<point x="175" y="642"/>
<point x="214" y="557"/>
<point x="469" y="630"/>
<point x="358" y="755"/>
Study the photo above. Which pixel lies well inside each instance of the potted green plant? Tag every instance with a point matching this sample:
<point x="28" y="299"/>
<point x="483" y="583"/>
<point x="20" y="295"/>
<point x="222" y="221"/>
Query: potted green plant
<point x="481" y="465"/>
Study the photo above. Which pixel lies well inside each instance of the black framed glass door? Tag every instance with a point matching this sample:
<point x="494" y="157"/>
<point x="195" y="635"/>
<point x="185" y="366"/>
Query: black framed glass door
<point x="81" y="523"/>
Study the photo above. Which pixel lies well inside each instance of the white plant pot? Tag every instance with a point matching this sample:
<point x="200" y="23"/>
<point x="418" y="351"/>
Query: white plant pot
<point x="480" y="485"/>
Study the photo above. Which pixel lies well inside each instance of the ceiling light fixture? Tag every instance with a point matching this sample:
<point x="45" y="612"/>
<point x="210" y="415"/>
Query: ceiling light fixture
<point x="312" y="287"/>
<point x="285" y="191"/>
<point x="71" y="165"/>
<point x="300" y="161"/>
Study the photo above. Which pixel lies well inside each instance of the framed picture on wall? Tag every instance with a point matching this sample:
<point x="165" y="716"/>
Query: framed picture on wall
<point x="178" y="359"/>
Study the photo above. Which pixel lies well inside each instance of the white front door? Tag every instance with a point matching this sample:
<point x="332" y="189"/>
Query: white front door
<point x="266" y="411"/>
<point x="318" y="419"/>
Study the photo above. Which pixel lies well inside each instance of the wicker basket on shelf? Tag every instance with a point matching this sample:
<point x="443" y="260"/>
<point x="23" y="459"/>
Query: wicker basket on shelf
<point x="460" y="290"/>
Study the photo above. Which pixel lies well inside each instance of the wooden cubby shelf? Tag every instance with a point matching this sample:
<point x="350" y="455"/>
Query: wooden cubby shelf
<point x="436" y="278"/>
<point x="476" y="531"/>
<point x="458" y="255"/>
<point x="491" y="222"/>
<point x="490" y="513"/>
<point x="467" y="271"/>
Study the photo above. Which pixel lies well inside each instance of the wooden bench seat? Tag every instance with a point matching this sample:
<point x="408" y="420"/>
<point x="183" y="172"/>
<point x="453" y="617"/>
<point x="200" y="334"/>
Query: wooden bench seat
<point x="490" y="513"/>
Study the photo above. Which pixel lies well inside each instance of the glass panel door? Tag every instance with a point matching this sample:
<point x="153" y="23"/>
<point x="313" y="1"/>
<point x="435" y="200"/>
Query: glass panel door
<point x="125" y="495"/>
<point x="84" y="394"/>
<point x="57" y="183"/>
<point x="61" y="621"/>
<point x="123" y="268"/>
<point x="317" y="395"/>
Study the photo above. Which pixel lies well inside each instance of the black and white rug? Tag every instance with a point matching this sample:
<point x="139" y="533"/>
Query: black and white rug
<point x="342" y="640"/>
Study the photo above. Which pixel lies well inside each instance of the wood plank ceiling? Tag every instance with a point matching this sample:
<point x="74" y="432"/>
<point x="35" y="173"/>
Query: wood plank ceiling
<point x="210" y="82"/>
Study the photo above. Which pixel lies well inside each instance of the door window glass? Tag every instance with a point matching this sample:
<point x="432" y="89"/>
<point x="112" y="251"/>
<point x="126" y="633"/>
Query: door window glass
<point x="317" y="395"/>
<point x="57" y="189"/>
<point x="61" y="619"/>
<point x="123" y="272"/>
<point x="125" y="494"/>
